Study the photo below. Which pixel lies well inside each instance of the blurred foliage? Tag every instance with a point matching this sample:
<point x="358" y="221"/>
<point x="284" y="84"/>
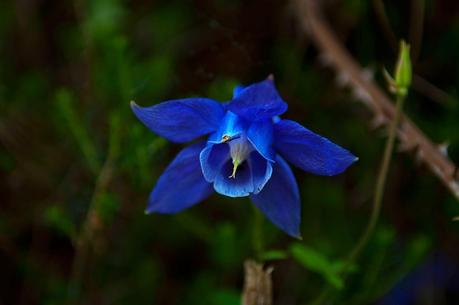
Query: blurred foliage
<point x="69" y="142"/>
<point x="317" y="262"/>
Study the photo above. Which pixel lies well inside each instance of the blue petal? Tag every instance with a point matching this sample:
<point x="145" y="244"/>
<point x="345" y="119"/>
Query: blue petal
<point x="309" y="151"/>
<point x="260" y="134"/>
<point x="240" y="186"/>
<point x="258" y="102"/>
<point x="232" y="126"/>
<point x="181" y="185"/>
<point x="238" y="89"/>
<point x="280" y="200"/>
<point x="261" y="171"/>
<point x="212" y="159"/>
<point x="181" y="120"/>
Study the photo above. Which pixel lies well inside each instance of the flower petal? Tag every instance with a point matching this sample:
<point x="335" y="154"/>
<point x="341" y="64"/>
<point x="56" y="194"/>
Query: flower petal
<point x="239" y="186"/>
<point x="280" y="199"/>
<point x="212" y="159"/>
<point x="181" y="120"/>
<point x="230" y="127"/>
<point x="258" y="101"/>
<point x="261" y="171"/>
<point x="181" y="185"/>
<point x="238" y="89"/>
<point x="310" y="151"/>
<point x="260" y="134"/>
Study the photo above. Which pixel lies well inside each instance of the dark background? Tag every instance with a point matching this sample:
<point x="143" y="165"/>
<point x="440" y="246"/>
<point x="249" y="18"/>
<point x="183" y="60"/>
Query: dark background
<point x="68" y="141"/>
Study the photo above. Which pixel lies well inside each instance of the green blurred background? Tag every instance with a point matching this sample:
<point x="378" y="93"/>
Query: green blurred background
<point x="68" y="141"/>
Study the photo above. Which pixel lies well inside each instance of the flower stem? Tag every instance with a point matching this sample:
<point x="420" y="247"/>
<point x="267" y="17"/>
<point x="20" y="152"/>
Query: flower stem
<point x="380" y="183"/>
<point x="377" y="200"/>
<point x="257" y="234"/>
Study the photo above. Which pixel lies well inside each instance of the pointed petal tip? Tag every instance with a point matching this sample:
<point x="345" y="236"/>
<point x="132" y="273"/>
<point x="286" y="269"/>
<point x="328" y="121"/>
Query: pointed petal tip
<point x="147" y="211"/>
<point x="136" y="109"/>
<point x="294" y="233"/>
<point x="344" y="166"/>
<point x="133" y="105"/>
<point x="270" y="77"/>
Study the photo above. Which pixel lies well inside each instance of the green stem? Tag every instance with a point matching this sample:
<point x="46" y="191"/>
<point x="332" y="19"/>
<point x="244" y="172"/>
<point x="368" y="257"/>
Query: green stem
<point x="377" y="200"/>
<point x="380" y="183"/>
<point x="257" y="234"/>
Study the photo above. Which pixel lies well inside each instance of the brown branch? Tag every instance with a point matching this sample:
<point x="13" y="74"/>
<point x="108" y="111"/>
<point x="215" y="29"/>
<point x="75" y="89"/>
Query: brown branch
<point x="337" y="57"/>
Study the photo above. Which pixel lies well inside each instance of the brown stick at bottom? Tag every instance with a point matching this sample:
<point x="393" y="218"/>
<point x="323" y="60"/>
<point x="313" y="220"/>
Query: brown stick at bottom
<point x="257" y="284"/>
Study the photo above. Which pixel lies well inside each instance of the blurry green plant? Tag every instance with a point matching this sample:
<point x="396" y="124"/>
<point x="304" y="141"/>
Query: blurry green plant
<point x="68" y="73"/>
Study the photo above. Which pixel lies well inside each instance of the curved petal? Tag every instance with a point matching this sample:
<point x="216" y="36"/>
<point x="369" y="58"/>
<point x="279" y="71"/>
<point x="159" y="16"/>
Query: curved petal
<point x="181" y="185"/>
<point x="280" y="199"/>
<point x="260" y="134"/>
<point x="231" y="127"/>
<point x="309" y="151"/>
<point x="212" y="159"/>
<point x="261" y="171"/>
<point x="239" y="186"/>
<point x="181" y="120"/>
<point x="258" y="101"/>
<point x="238" y="89"/>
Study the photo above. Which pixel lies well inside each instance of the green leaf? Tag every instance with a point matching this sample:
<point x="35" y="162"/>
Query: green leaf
<point x="274" y="255"/>
<point x="317" y="262"/>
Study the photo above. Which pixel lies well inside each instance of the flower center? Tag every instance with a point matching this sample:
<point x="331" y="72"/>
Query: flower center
<point x="240" y="149"/>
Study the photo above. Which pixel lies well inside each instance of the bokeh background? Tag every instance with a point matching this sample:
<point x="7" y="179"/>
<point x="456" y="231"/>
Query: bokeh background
<point x="69" y="141"/>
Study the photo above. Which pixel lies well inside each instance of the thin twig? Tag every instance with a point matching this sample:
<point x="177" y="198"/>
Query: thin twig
<point x="381" y="16"/>
<point x="409" y="135"/>
<point x="92" y="225"/>
<point x="429" y="90"/>
<point x="416" y="28"/>
<point x="84" y="242"/>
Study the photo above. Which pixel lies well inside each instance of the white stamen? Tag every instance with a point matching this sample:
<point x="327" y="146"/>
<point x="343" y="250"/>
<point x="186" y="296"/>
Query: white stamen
<point x="240" y="149"/>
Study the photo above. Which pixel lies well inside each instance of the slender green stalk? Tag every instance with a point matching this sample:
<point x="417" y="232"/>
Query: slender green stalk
<point x="257" y="234"/>
<point x="380" y="183"/>
<point x="377" y="200"/>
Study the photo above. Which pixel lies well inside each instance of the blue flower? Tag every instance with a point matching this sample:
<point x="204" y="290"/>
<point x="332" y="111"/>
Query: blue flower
<point x="244" y="155"/>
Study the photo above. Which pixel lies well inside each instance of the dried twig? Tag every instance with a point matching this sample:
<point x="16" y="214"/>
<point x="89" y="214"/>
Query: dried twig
<point x="410" y="136"/>
<point x="257" y="284"/>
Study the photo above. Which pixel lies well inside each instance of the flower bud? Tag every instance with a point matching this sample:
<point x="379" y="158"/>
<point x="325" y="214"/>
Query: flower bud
<point x="403" y="70"/>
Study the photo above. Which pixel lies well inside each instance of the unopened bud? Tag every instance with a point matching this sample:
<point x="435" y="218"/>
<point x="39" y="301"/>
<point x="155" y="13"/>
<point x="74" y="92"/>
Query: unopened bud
<point x="403" y="70"/>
